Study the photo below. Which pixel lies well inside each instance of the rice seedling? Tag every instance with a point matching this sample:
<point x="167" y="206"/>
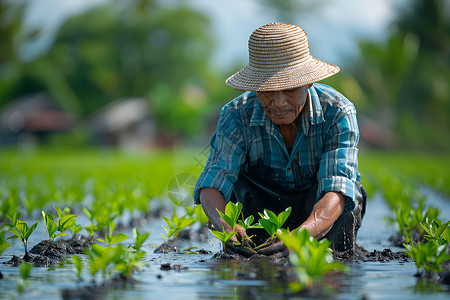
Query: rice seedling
<point x="175" y="225"/>
<point x="65" y="222"/>
<point x="271" y="222"/>
<point x="3" y="243"/>
<point x="230" y="216"/>
<point x="139" y="239"/>
<point x="436" y="232"/>
<point x="310" y="258"/>
<point x="110" y="237"/>
<point x="22" y="231"/>
<point x="197" y="213"/>
<point x="428" y="256"/>
<point x="100" y="260"/>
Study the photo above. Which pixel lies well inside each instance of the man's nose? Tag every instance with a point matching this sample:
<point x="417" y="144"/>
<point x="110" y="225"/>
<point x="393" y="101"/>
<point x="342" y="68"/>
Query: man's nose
<point x="279" y="99"/>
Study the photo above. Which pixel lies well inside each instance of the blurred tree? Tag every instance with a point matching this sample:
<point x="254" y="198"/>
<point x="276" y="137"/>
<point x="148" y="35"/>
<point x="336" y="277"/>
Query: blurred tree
<point x="289" y="10"/>
<point x="127" y="49"/>
<point x="11" y="38"/>
<point x="407" y="76"/>
<point x="136" y="48"/>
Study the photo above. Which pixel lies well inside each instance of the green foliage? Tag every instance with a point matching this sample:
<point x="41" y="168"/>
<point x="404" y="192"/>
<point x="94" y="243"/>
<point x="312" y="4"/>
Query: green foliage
<point x="428" y="256"/>
<point x="111" y="238"/>
<point x="271" y="222"/>
<point x="176" y="224"/>
<point x="436" y="232"/>
<point x="3" y="243"/>
<point x="231" y="216"/>
<point x="311" y="258"/>
<point x="128" y="261"/>
<point x="139" y="238"/>
<point x="197" y="213"/>
<point x="223" y="236"/>
<point x="408" y="219"/>
<point x="100" y="259"/>
<point x="109" y="259"/>
<point x="8" y="205"/>
<point x="248" y="223"/>
<point x="232" y="213"/>
<point x="21" y="231"/>
<point x="404" y="76"/>
<point x="65" y="222"/>
<point x="119" y="50"/>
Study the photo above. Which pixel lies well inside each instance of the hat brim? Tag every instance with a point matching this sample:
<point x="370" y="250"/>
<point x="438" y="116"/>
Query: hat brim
<point x="255" y="79"/>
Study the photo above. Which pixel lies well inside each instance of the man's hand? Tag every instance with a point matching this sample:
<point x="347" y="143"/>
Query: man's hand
<point x="240" y="233"/>
<point x="324" y="214"/>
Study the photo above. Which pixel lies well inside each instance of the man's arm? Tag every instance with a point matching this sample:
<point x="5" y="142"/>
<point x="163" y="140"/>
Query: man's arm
<point x="211" y="201"/>
<point x="324" y="214"/>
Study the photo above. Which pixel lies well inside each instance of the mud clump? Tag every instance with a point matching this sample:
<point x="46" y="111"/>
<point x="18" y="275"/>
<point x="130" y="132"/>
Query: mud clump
<point x="399" y="239"/>
<point x="48" y="253"/>
<point x="170" y="246"/>
<point x="361" y="254"/>
<point x="168" y="267"/>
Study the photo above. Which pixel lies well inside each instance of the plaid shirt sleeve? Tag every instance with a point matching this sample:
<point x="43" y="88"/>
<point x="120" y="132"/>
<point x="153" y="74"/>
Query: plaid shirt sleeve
<point x="227" y="153"/>
<point x="338" y="169"/>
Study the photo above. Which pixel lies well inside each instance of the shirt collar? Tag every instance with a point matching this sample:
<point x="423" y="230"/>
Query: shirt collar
<point x="312" y="112"/>
<point x="259" y="116"/>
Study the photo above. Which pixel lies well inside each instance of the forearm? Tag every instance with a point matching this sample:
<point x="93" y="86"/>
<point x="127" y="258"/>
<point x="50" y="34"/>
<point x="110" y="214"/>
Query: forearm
<point x="324" y="214"/>
<point x="211" y="201"/>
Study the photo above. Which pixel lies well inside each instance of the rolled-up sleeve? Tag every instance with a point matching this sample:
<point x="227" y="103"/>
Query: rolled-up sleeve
<point x="227" y="153"/>
<point x="338" y="170"/>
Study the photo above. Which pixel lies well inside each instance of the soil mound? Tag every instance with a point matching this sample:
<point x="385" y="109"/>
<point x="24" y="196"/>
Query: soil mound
<point x="48" y="253"/>
<point x="361" y="254"/>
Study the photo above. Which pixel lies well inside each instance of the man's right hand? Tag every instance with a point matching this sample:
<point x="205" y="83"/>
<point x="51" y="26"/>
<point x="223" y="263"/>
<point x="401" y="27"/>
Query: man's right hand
<point x="240" y="235"/>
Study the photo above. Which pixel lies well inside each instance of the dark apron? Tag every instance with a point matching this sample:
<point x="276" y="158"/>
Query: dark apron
<point x="256" y="197"/>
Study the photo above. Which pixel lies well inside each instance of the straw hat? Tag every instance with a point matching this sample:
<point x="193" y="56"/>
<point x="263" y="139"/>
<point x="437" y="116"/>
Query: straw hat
<point x="279" y="59"/>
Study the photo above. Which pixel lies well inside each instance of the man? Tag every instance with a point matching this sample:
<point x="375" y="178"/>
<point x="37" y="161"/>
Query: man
<point x="286" y="142"/>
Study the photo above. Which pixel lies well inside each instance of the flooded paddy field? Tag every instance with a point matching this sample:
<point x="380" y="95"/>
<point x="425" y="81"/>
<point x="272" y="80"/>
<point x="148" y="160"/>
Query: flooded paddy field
<point x="202" y="276"/>
<point x="108" y="181"/>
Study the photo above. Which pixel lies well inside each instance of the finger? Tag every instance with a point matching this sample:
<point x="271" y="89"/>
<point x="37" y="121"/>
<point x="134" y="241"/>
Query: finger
<point x="245" y="251"/>
<point x="277" y="247"/>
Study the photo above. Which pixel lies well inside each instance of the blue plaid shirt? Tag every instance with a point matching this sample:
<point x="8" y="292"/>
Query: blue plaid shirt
<point x="324" y="151"/>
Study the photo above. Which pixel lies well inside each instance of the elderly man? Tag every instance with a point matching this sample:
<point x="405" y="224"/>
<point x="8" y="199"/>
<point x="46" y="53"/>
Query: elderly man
<point x="287" y="141"/>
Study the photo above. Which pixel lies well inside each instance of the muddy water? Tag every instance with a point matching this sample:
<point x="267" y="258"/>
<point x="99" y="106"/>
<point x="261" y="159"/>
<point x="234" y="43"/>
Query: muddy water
<point x="195" y="276"/>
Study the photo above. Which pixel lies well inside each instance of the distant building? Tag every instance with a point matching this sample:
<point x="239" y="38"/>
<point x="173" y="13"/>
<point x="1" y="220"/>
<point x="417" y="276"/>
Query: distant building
<point x="123" y="123"/>
<point x="31" y="119"/>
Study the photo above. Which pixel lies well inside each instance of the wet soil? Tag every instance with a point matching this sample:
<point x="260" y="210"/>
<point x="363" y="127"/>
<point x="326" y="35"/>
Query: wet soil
<point x="95" y="291"/>
<point x="49" y="253"/>
<point x="361" y="254"/>
<point x="399" y="239"/>
<point x="173" y="245"/>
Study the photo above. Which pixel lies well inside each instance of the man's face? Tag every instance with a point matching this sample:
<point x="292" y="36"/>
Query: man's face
<point x="283" y="107"/>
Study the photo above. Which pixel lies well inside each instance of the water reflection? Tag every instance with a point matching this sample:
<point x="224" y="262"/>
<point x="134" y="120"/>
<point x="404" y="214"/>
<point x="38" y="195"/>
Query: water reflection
<point x="262" y="278"/>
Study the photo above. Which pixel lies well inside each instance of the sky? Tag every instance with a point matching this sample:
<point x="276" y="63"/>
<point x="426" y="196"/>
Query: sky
<point x="332" y="31"/>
